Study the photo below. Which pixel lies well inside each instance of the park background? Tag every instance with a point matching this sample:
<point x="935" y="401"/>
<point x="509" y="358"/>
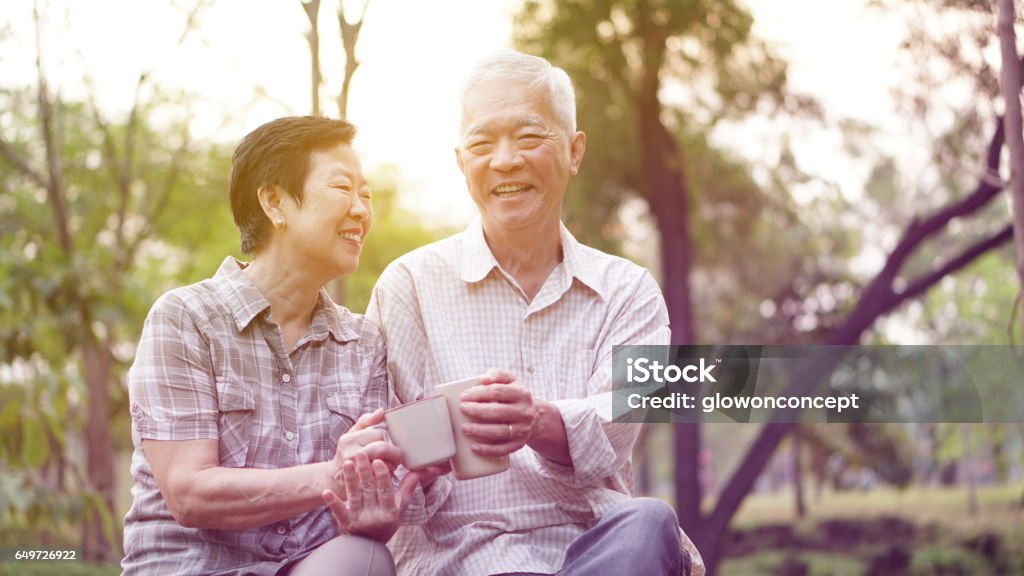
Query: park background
<point x="792" y="172"/>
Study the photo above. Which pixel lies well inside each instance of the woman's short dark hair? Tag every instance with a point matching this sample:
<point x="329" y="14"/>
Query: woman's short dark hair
<point x="277" y="153"/>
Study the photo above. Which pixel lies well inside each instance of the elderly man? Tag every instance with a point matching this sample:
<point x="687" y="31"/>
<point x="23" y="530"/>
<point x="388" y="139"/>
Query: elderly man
<point x="516" y="291"/>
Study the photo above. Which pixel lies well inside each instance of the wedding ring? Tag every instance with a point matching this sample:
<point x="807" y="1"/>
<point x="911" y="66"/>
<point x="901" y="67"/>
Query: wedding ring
<point x="509" y="430"/>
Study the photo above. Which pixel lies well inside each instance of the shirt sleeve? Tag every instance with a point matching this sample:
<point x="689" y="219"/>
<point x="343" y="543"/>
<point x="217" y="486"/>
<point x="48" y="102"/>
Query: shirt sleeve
<point x="391" y="309"/>
<point x="599" y="447"/>
<point x="171" y="386"/>
<point x="378" y="393"/>
<point x="425" y="503"/>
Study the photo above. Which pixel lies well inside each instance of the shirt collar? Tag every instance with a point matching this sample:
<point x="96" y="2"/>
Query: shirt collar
<point x="246" y="302"/>
<point x="241" y="296"/>
<point x="573" y="258"/>
<point x="478" y="260"/>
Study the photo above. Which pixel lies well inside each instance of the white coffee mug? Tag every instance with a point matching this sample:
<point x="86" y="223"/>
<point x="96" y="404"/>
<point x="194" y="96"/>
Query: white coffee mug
<point x="422" y="431"/>
<point x="466" y="464"/>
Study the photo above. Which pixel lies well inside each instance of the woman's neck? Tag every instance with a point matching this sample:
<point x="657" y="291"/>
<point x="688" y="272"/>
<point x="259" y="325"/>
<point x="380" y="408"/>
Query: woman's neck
<point x="291" y="293"/>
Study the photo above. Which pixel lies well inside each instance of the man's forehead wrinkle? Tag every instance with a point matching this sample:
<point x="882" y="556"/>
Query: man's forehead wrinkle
<point x="530" y="120"/>
<point x="526" y="120"/>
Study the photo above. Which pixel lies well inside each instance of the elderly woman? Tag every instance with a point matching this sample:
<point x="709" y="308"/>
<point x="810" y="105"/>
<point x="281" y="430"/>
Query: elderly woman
<point x="247" y="388"/>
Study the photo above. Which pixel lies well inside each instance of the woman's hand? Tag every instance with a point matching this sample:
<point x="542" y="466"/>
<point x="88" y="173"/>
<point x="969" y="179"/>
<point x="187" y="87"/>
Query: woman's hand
<point x="365" y="439"/>
<point x="426" y="476"/>
<point x="367" y="504"/>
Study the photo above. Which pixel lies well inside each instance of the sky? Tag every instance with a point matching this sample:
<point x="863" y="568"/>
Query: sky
<point x="248" y="62"/>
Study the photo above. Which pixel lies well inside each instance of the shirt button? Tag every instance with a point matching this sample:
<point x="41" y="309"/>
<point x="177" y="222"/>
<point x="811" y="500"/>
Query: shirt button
<point x="529" y="369"/>
<point x="282" y="530"/>
<point x="289" y="435"/>
<point x="286" y="378"/>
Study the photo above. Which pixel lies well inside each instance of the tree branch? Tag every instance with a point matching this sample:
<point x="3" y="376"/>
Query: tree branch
<point x="919" y="230"/>
<point x="349" y="38"/>
<point x="312" y="9"/>
<point x="54" y="186"/>
<point x="192" y="19"/>
<point x="126" y="173"/>
<point x="161" y="199"/>
<point x="954" y="265"/>
<point x="20" y="164"/>
<point x="1011" y="76"/>
<point x="877" y="299"/>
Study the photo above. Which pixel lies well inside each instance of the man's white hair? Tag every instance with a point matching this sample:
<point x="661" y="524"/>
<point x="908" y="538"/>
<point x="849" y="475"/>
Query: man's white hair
<point x="536" y="73"/>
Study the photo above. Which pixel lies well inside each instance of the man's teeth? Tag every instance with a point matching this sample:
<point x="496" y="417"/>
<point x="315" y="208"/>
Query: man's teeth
<point x="352" y="236"/>
<point x="510" y="188"/>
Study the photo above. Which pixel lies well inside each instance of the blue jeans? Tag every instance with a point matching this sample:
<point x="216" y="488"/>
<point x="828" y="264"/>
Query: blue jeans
<point x="637" y="536"/>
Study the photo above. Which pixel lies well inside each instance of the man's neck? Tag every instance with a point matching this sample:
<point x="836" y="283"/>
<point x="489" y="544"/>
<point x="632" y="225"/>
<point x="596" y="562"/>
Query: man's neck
<point x="528" y="256"/>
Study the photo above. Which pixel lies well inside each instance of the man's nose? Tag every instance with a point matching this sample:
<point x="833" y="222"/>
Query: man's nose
<point x="506" y="156"/>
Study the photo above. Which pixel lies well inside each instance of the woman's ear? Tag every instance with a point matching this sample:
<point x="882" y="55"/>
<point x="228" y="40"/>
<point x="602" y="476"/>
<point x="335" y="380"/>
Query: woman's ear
<point x="271" y="200"/>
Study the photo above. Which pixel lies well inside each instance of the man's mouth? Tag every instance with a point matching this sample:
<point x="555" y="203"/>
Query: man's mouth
<point x="510" y="190"/>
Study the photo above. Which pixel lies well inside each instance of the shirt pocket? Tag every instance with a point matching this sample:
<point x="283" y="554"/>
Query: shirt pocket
<point x="572" y="373"/>
<point x="236" y="405"/>
<point x="344" y="406"/>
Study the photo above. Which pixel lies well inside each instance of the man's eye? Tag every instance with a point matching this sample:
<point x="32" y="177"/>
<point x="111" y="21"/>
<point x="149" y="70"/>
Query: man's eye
<point x="479" y="147"/>
<point x="530" y="140"/>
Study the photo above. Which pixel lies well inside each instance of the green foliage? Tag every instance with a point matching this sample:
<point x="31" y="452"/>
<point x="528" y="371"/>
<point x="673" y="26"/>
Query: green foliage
<point x="770" y="563"/>
<point x="942" y="560"/>
<point x="145" y="209"/>
<point x="976" y="306"/>
<point x="884" y="449"/>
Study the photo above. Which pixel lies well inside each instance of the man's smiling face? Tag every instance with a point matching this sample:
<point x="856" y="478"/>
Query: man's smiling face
<point x="515" y="155"/>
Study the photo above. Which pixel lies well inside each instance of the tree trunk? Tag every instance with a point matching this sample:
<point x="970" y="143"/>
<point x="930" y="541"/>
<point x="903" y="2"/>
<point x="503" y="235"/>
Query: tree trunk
<point x="999" y="457"/>
<point x="1011" y="77"/>
<point x="798" y="477"/>
<point x="97" y="546"/>
<point x="970" y="468"/>
<point x="668" y="197"/>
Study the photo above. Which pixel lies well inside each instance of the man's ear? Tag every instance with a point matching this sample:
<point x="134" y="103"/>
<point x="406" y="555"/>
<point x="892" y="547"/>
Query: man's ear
<point x="458" y="159"/>
<point x="272" y="201"/>
<point x="577" y="147"/>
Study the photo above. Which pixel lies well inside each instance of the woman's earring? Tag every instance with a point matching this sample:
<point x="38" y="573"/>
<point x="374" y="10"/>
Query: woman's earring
<point x="279" y="223"/>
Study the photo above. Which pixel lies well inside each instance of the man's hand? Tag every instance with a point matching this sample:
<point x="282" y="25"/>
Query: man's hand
<point x="503" y="413"/>
<point x="367" y="503"/>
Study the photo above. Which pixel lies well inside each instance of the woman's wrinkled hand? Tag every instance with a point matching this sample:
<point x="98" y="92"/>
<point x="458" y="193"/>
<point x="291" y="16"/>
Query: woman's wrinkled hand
<point x="366" y="502"/>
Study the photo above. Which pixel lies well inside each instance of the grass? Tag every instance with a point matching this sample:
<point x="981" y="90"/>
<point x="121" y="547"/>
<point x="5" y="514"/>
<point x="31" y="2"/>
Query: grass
<point x="58" y="569"/>
<point x="820" y="564"/>
<point x="998" y="508"/>
<point x="945" y="510"/>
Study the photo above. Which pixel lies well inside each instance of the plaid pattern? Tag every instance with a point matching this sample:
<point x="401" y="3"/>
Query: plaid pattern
<point x="211" y="364"/>
<point x="448" y="311"/>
